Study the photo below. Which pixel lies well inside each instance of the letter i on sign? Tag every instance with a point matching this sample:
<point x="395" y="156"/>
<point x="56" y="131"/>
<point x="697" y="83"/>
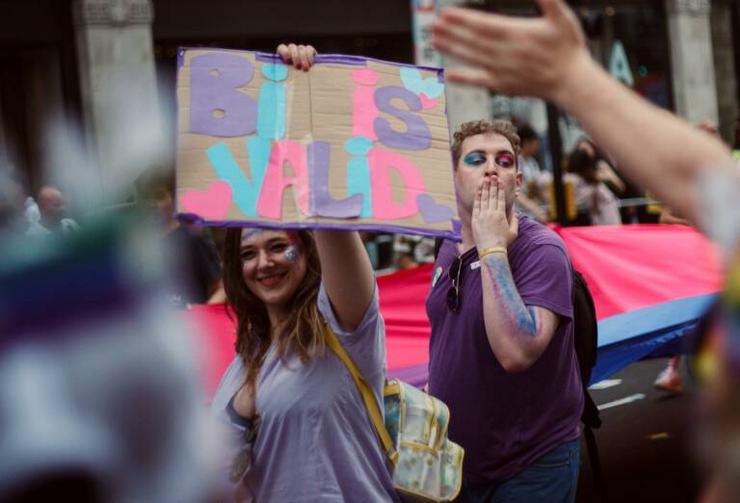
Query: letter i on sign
<point x="358" y="172"/>
<point x="364" y="110"/>
<point x="272" y="109"/>
<point x="364" y="113"/>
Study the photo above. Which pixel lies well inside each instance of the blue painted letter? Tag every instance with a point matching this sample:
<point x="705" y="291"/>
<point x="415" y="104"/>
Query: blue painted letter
<point x="246" y="192"/>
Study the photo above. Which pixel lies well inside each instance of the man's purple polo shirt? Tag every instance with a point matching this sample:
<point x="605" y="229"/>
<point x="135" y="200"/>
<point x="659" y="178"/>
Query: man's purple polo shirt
<point x="505" y="421"/>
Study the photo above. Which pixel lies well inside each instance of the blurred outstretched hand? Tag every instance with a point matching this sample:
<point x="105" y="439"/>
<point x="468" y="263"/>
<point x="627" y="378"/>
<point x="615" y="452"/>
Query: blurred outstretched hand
<point x="514" y="56"/>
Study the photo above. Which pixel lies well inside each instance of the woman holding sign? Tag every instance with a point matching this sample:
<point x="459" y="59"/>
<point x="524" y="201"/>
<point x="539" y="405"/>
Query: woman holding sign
<point x="299" y="429"/>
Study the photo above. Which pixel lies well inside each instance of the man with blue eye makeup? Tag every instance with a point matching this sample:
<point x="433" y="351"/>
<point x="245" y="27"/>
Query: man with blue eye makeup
<point x="501" y="351"/>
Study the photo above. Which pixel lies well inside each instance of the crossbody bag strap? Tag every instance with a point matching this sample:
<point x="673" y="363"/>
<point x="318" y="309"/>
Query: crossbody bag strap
<point x="366" y="392"/>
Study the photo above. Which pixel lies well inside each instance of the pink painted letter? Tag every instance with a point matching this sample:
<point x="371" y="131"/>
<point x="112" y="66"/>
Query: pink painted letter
<point x="381" y="162"/>
<point x="364" y="110"/>
<point x="270" y="202"/>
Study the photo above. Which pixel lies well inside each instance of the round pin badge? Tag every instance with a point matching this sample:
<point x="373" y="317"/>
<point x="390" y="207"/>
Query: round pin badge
<point x="437" y="275"/>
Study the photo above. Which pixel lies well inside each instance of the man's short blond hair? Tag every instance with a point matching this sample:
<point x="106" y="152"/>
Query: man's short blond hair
<point x="473" y="128"/>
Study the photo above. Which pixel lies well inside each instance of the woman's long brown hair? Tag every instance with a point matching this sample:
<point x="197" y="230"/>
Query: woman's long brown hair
<point x="303" y="332"/>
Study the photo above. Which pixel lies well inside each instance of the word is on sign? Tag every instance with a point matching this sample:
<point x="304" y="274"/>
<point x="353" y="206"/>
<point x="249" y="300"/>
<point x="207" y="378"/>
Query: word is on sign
<point x="352" y="143"/>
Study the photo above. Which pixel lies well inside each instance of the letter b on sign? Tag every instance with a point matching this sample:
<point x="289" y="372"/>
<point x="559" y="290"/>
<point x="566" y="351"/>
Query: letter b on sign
<point x="217" y="107"/>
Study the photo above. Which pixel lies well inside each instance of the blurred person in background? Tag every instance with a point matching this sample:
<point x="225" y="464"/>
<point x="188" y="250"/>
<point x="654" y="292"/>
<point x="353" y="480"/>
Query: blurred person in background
<point x="530" y="147"/>
<point x="52" y="209"/>
<point x="530" y="200"/>
<point x="596" y="204"/>
<point x="604" y="169"/>
<point x="621" y="188"/>
<point x="412" y="250"/>
<point x="197" y="259"/>
<point x="13" y="220"/>
<point x="295" y="424"/>
<point x="691" y="172"/>
<point x="403" y="248"/>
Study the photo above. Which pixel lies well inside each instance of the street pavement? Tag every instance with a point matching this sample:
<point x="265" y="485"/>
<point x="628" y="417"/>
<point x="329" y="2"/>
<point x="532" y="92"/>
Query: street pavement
<point x="645" y="442"/>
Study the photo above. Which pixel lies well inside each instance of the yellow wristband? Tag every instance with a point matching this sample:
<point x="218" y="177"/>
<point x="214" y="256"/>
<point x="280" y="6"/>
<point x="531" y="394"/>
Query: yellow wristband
<point x="490" y="251"/>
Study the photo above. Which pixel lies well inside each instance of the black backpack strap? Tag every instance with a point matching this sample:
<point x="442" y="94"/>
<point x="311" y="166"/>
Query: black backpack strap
<point x="591" y="420"/>
<point x="585" y="338"/>
<point x="596" y="472"/>
<point x="590" y="416"/>
<point x="437" y="245"/>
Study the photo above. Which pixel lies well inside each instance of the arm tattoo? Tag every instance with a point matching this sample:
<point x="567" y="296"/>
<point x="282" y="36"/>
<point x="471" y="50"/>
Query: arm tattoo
<point x="525" y="318"/>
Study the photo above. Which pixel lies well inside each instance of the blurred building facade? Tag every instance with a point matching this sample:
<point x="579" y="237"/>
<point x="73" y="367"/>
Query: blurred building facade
<point x="88" y="61"/>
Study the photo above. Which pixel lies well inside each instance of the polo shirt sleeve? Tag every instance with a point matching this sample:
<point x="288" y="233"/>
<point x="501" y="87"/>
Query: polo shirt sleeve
<point x="545" y="279"/>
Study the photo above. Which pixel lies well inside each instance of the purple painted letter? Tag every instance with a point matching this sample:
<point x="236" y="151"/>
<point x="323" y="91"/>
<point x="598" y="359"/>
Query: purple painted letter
<point x="217" y="108"/>
<point x="417" y="135"/>
<point x="322" y="204"/>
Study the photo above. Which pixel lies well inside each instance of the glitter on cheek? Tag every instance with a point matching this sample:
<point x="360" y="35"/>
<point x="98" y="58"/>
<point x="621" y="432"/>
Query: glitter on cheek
<point x="291" y="254"/>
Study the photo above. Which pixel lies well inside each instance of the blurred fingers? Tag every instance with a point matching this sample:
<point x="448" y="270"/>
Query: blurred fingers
<point x="302" y="58"/>
<point x="553" y="9"/>
<point x="294" y="56"/>
<point x="311" y="54"/>
<point x="477" y="200"/>
<point x="500" y="196"/>
<point x="486" y="195"/>
<point x="471" y="77"/>
<point x="284" y="53"/>
<point x="477" y="23"/>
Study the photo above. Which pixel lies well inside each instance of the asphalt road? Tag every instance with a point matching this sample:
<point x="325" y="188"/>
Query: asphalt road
<point x="645" y="443"/>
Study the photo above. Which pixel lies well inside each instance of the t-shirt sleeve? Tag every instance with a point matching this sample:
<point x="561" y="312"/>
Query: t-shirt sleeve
<point x="366" y="344"/>
<point x="545" y="279"/>
<point x="228" y="435"/>
<point x="231" y="381"/>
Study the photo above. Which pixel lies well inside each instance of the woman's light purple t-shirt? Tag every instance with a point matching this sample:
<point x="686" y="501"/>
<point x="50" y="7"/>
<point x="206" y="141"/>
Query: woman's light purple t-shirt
<point x="316" y="441"/>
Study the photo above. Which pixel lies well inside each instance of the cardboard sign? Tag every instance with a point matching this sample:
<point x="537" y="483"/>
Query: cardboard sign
<point x="353" y="143"/>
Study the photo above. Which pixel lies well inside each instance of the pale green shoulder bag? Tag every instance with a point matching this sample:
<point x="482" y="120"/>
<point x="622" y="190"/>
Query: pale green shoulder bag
<point x="426" y="466"/>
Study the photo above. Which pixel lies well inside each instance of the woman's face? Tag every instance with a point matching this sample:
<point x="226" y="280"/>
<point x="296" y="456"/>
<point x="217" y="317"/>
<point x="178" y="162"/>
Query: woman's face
<point x="273" y="265"/>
